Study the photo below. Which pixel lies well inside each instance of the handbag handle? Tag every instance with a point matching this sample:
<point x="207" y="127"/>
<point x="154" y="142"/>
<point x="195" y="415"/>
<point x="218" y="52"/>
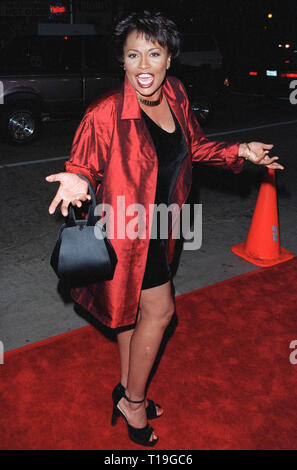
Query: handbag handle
<point x="92" y="219"/>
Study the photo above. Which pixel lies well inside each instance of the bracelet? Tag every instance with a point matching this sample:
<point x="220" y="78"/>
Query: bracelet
<point x="249" y="151"/>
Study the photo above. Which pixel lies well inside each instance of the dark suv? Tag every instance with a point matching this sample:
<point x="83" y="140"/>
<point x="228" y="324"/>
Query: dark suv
<point x="58" y="76"/>
<point x="50" y="77"/>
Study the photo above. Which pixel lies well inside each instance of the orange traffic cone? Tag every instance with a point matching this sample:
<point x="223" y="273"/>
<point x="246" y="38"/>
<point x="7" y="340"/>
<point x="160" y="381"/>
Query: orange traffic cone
<point x="262" y="246"/>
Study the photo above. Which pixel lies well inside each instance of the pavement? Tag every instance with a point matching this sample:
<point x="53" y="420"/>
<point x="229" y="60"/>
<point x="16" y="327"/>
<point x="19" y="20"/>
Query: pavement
<point x="34" y="305"/>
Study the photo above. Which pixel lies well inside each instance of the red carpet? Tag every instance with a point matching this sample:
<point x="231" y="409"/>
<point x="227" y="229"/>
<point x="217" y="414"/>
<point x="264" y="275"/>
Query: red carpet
<point x="225" y="379"/>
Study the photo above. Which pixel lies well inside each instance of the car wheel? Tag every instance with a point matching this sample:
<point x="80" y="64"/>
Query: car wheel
<point x="22" y="126"/>
<point x="202" y="108"/>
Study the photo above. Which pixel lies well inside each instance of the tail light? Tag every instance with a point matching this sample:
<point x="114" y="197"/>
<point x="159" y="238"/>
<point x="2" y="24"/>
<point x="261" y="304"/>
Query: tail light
<point x="289" y="75"/>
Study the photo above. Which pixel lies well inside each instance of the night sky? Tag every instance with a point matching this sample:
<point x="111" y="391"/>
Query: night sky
<point x="243" y="28"/>
<point x="237" y="15"/>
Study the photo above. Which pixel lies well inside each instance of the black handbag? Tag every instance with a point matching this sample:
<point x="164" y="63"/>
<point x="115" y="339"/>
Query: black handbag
<point x="79" y="256"/>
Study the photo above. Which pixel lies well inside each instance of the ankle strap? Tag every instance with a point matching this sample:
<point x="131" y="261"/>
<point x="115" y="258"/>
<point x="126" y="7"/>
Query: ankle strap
<point x="133" y="401"/>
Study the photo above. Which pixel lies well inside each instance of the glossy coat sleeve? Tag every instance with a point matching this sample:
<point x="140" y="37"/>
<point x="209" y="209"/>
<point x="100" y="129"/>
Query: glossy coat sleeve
<point x="90" y="147"/>
<point x="223" y="154"/>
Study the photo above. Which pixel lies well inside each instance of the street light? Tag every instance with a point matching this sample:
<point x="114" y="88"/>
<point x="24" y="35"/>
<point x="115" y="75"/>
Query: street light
<point x="270" y="16"/>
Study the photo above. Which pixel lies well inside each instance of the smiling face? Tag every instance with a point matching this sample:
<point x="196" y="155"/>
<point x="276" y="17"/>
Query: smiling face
<point x="145" y="63"/>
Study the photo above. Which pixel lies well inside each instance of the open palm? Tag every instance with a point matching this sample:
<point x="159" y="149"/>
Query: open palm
<point x="72" y="189"/>
<point x="259" y="154"/>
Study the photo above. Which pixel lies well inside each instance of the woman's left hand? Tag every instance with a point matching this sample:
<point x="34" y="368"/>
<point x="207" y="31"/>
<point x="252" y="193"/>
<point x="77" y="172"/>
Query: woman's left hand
<point x="258" y="153"/>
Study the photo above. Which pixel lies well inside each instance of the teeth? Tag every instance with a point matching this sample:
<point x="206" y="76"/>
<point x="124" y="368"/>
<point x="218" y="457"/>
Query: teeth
<point x="145" y="78"/>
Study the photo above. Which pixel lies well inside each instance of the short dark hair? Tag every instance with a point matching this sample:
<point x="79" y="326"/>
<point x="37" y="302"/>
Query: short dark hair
<point x="156" y="28"/>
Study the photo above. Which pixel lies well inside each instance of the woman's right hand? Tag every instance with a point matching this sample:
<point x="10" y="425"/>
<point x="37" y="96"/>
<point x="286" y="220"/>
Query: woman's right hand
<point x="72" y="189"/>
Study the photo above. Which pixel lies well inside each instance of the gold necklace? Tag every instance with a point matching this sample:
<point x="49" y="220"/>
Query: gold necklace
<point x="149" y="102"/>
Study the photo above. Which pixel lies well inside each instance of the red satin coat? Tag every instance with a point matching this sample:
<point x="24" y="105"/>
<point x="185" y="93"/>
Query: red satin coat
<point x="113" y="148"/>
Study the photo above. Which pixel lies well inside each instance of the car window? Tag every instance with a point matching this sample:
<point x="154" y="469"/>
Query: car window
<point x="42" y="54"/>
<point x="98" y="54"/>
<point x="56" y="54"/>
<point x="198" y="43"/>
<point x="14" y="57"/>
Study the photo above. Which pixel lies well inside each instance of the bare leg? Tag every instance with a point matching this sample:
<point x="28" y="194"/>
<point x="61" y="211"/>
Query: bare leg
<point x="124" y="338"/>
<point x="156" y="310"/>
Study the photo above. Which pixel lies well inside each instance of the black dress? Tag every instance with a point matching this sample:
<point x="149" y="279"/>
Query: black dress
<point x="171" y="150"/>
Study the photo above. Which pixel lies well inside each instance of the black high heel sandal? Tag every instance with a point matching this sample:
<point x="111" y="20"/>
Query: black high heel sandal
<point x="151" y="409"/>
<point x="139" y="435"/>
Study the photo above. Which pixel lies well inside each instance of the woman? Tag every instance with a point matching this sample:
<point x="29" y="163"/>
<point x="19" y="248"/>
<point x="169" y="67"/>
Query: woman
<point x="139" y="142"/>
